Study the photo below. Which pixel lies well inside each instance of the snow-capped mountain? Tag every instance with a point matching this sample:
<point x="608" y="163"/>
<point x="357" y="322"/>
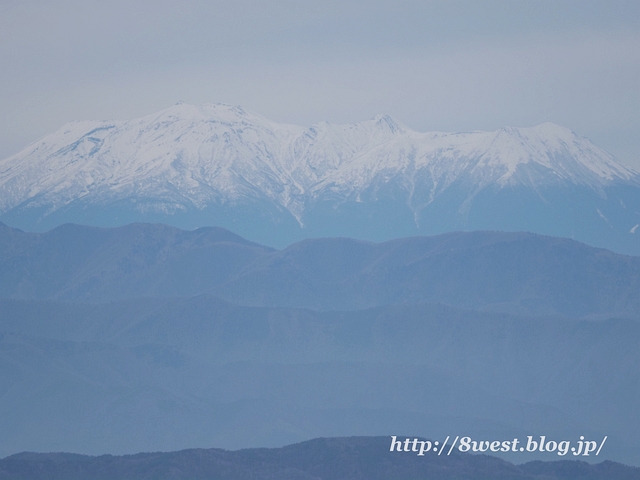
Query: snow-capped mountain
<point x="219" y="164"/>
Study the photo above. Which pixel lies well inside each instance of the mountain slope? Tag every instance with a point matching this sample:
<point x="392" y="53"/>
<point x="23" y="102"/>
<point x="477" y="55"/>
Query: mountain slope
<point x="149" y="375"/>
<point x="515" y="272"/>
<point x="355" y="458"/>
<point x="221" y="165"/>
<point x="76" y="262"/>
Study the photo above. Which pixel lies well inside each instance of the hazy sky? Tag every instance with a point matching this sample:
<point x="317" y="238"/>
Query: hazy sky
<point x="433" y="65"/>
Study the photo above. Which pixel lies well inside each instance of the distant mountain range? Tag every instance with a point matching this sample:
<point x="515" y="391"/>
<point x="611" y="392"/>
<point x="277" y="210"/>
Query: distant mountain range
<point x="509" y="272"/>
<point x="354" y="458"/>
<point x="167" y="374"/>
<point x="180" y="333"/>
<point x="219" y="165"/>
<point x="147" y="338"/>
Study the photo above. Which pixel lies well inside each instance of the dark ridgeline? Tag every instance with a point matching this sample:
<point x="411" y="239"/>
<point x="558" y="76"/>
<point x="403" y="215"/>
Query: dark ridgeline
<point x="354" y="458"/>
<point x="512" y="272"/>
<point x="150" y="338"/>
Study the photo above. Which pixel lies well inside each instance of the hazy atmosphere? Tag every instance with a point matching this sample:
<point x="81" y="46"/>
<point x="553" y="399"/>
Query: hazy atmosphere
<point x="288" y="239"/>
<point x="433" y="65"/>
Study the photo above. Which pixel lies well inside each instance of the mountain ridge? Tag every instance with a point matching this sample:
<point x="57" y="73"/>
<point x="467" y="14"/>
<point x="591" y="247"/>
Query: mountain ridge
<point x="236" y="344"/>
<point x="489" y="270"/>
<point x="219" y="164"/>
<point x="356" y="458"/>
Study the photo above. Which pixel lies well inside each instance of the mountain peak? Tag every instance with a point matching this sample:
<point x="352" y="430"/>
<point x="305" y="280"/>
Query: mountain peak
<point x="384" y="121"/>
<point x="193" y="158"/>
<point x="565" y="154"/>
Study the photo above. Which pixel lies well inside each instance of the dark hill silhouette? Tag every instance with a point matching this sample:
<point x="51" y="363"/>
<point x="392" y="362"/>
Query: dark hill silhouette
<point x="513" y="272"/>
<point x="354" y="458"/>
<point x="162" y="374"/>
<point x="161" y="339"/>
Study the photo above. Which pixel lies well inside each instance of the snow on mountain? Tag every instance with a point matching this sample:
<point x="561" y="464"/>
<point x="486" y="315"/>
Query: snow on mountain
<point x="500" y="157"/>
<point x="183" y="154"/>
<point x="192" y="154"/>
<point x="188" y="158"/>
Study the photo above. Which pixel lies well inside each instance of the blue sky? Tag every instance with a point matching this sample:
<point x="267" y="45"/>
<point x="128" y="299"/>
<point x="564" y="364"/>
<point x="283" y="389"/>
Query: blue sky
<point x="433" y="65"/>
